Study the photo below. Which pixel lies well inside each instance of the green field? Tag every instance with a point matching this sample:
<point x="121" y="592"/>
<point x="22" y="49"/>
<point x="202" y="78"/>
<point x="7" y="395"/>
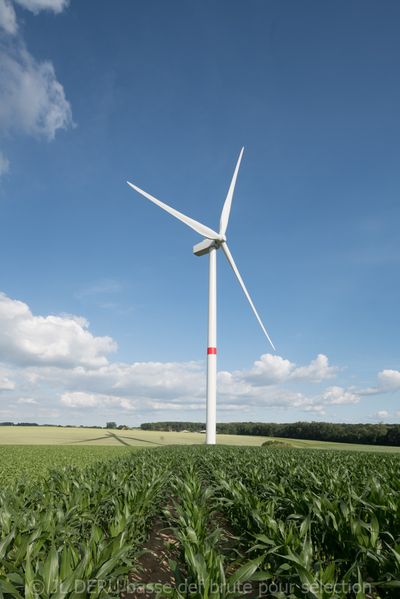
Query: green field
<point x="204" y="522"/>
<point x="33" y="462"/>
<point x="40" y="435"/>
<point x="32" y="452"/>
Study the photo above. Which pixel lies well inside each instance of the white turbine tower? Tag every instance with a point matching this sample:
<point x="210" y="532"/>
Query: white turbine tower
<point x="213" y="241"/>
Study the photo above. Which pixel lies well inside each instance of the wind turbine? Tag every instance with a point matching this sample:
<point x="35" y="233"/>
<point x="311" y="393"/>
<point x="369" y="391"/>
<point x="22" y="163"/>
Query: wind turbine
<point x="213" y="241"/>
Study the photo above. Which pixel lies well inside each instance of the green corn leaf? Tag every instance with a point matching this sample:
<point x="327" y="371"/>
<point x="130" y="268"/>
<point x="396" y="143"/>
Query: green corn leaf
<point x="29" y="576"/>
<point x="305" y="526"/>
<point x="7" y="587"/>
<point x="191" y="535"/>
<point x="261" y="576"/>
<point x="5" y="543"/>
<point x="391" y="584"/>
<point x="50" y="571"/>
<point x="245" y="572"/>
<point x="109" y="565"/>
<point x="360" y="592"/>
<point x="396" y="555"/>
<point x="264" y="539"/>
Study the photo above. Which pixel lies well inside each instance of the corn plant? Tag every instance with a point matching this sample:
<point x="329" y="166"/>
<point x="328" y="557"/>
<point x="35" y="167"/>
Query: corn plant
<point x="79" y="526"/>
<point x="194" y="517"/>
<point x="325" y="524"/>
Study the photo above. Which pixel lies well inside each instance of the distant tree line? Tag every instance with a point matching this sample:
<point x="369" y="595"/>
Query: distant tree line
<point x="53" y="425"/>
<point x="19" y="424"/>
<point x="370" y="434"/>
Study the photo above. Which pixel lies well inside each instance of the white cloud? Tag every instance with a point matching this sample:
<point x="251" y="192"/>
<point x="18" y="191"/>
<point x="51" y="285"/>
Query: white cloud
<point x="272" y="369"/>
<point x="165" y="405"/>
<point x="317" y="371"/>
<point x="165" y="378"/>
<point x="6" y="384"/>
<point x="54" y="356"/>
<point x="81" y="399"/>
<point x="165" y="386"/>
<point x="32" y="100"/>
<point x="8" y="19"/>
<point x="382" y="414"/>
<point x="338" y="395"/>
<point x="233" y="388"/>
<point x="166" y="381"/>
<point x="51" y="340"/>
<point x="269" y="369"/>
<point x="389" y="379"/>
<point x="27" y="400"/>
<point x="317" y="408"/>
<point x="36" y="6"/>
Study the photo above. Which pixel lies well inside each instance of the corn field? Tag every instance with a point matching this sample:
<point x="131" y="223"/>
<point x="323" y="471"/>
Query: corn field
<point x="33" y="462"/>
<point x="255" y="522"/>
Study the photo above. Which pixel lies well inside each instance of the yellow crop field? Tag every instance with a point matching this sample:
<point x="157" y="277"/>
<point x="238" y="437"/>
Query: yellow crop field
<point x="46" y="435"/>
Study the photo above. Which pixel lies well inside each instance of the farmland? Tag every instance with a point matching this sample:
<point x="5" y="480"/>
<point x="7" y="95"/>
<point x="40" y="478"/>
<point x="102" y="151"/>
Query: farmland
<point x="33" y="462"/>
<point x="43" y="435"/>
<point x="77" y="436"/>
<point x="299" y="522"/>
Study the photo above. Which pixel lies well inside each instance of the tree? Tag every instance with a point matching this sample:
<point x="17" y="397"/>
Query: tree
<point x="111" y="425"/>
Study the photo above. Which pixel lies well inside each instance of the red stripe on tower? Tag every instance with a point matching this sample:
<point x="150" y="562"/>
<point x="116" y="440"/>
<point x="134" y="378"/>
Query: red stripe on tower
<point x="211" y="350"/>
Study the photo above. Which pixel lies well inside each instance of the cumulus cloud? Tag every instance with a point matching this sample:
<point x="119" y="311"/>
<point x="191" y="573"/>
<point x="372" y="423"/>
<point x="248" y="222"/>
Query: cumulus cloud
<point x="388" y="382"/>
<point x="181" y="382"/>
<point x="339" y="396"/>
<point x="317" y="371"/>
<point x="155" y="399"/>
<point x="35" y="6"/>
<point x="389" y="379"/>
<point x="51" y="340"/>
<point x="6" y="384"/>
<point x="169" y="378"/>
<point x="27" y="401"/>
<point x="81" y="399"/>
<point x="163" y="386"/>
<point x="8" y="19"/>
<point x="32" y="100"/>
<point x="169" y="405"/>
<point x="57" y="358"/>
<point x="269" y="369"/>
<point x="382" y="414"/>
<point x="272" y="369"/>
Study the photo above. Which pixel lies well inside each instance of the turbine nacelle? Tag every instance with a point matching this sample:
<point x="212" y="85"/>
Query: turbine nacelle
<point x="203" y="248"/>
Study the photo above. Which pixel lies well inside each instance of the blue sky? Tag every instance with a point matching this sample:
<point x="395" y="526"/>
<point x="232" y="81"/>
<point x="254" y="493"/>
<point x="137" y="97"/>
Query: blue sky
<point x="104" y="307"/>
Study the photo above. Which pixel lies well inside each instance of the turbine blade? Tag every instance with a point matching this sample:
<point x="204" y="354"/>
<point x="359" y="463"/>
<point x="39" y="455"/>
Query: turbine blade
<point x="190" y="222"/>
<point x="243" y="286"/>
<point x="226" y="210"/>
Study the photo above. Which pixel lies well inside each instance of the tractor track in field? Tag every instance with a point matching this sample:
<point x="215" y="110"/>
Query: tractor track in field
<point x="152" y="566"/>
